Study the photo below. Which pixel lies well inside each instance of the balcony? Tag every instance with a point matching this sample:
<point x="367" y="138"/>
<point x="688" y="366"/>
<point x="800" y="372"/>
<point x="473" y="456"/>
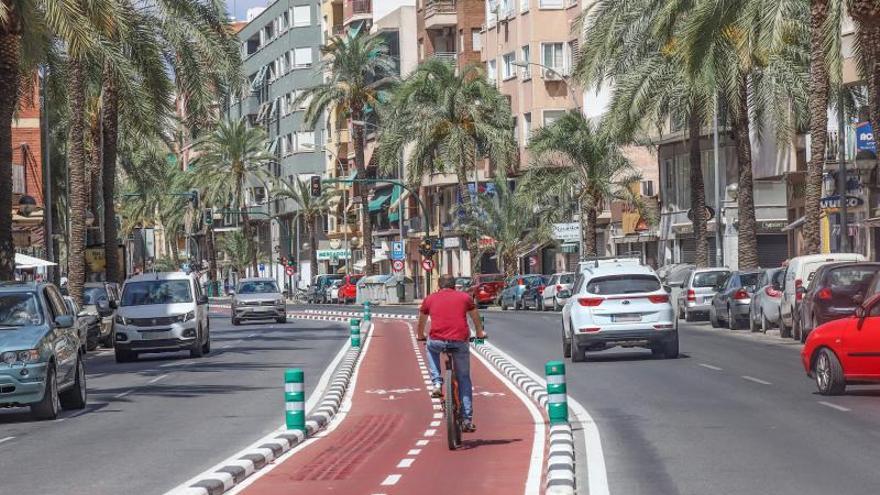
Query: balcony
<point x="449" y="57"/>
<point x="362" y="6"/>
<point x="440" y="14"/>
<point x="354" y="10"/>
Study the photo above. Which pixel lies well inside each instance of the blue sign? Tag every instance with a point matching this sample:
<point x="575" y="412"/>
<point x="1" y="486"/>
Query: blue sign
<point x="865" y="137"/>
<point x="262" y="267"/>
<point x="397" y="250"/>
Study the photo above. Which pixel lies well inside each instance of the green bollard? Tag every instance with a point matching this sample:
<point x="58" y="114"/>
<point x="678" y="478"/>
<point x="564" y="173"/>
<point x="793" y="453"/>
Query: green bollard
<point x="557" y="395"/>
<point x="368" y="315"/>
<point x="355" y="326"/>
<point x="294" y="400"/>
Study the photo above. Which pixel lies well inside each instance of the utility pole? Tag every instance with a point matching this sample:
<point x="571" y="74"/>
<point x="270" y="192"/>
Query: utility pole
<point x="719" y="196"/>
<point x="841" y="173"/>
<point x="47" y="177"/>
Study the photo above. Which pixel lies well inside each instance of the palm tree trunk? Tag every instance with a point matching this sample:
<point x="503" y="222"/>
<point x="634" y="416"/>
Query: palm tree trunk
<point x="76" y="163"/>
<point x="313" y="244"/>
<point x="818" y="125"/>
<point x="94" y="170"/>
<point x="357" y="114"/>
<point x="747" y="240"/>
<point x="10" y="46"/>
<point x="245" y="220"/>
<point x="110" y="132"/>
<point x="465" y="194"/>
<point x="698" y="191"/>
<point x="509" y="262"/>
<point x="588" y="217"/>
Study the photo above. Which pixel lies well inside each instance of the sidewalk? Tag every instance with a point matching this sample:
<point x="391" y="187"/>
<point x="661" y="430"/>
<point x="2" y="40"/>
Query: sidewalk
<point x="393" y="440"/>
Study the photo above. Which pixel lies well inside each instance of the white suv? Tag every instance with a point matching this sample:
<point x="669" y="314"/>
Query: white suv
<point x="161" y="312"/>
<point x="618" y="303"/>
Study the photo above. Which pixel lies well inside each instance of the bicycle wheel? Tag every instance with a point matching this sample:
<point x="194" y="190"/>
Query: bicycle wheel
<point x="453" y="432"/>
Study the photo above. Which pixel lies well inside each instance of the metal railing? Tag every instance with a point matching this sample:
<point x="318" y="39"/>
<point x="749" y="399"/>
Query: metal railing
<point x="450" y="57"/>
<point x="440" y="7"/>
<point x="361" y="6"/>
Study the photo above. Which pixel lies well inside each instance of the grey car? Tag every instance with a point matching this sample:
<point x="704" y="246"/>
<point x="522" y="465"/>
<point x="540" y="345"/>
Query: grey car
<point x="694" y="297"/>
<point x="733" y="297"/>
<point x="41" y="357"/>
<point x="99" y="298"/>
<point x="764" y="310"/>
<point x="86" y="324"/>
<point x="258" y="299"/>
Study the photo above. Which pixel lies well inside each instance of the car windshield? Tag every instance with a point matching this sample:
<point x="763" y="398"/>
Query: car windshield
<point x="852" y="276"/>
<point x="485" y="279"/>
<point x="536" y="280"/>
<point x="709" y="279"/>
<point x="678" y="275"/>
<point x="623" y="284"/>
<point x="749" y="279"/>
<point x="156" y="292"/>
<point x="19" y="309"/>
<point x="567" y="278"/>
<point x="94" y="295"/>
<point x="260" y="287"/>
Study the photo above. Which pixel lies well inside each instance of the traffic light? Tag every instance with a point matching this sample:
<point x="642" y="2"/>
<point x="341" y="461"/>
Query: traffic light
<point x="315" y="186"/>
<point x="426" y="247"/>
<point x="209" y="216"/>
<point x="291" y="262"/>
<point x="194" y="198"/>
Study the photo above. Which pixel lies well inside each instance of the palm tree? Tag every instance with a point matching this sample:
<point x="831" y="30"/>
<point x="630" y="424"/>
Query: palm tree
<point x="358" y="68"/>
<point x="574" y="158"/>
<point x="239" y="249"/>
<point x="309" y="209"/>
<point x="507" y="217"/>
<point x="228" y="157"/>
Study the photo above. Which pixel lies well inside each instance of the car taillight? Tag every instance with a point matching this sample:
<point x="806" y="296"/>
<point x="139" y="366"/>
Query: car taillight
<point x="797" y="285"/>
<point x="824" y="294"/>
<point x="770" y="291"/>
<point x="590" y="301"/>
<point x="558" y="288"/>
<point x="541" y="289"/>
<point x="520" y="282"/>
<point x="659" y="298"/>
<point x="740" y="295"/>
<point x="589" y="329"/>
<point x="692" y="295"/>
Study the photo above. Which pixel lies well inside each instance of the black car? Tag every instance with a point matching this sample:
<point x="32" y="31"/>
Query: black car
<point x="835" y="291"/>
<point x="732" y="300"/>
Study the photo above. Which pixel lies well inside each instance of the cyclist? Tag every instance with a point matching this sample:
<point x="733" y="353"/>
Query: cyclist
<point x="449" y="309"/>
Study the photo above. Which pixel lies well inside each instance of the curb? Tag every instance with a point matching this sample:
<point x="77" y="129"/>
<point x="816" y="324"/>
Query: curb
<point x="559" y="460"/>
<point x="269" y="449"/>
<point x="359" y="314"/>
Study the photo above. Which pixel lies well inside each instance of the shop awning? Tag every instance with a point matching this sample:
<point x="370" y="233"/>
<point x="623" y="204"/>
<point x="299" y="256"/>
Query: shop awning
<point x="394" y="207"/>
<point x="377" y="202"/>
<point x="531" y="249"/>
<point x="25" y="262"/>
<point x="570" y="247"/>
<point x="794" y="225"/>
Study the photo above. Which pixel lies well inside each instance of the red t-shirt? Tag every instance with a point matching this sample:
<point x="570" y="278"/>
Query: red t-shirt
<point x="448" y="310"/>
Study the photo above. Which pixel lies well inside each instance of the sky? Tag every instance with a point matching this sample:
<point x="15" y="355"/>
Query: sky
<point x="237" y="8"/>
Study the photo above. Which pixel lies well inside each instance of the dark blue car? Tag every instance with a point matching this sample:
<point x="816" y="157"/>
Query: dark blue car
<point x="522" y="292"/>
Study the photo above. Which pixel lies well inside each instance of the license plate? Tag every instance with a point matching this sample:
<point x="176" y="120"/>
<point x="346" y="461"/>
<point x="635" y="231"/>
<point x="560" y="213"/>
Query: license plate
<point x="155" y="334"/>
<point x="707" y="299"/>
<point x="625" y="318"/>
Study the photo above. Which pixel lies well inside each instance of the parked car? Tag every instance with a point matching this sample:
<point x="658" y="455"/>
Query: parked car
<point x="618" y="304"/>
<point x="846" y="350"/>
<point x="557" y="283"/>
<point x="162" y="312"/>
<point x="764" y="309"/>
<point x="836" y="290"/>
<point x="41" y="356"/>
<point x="694" y="297"/>
<point x="733" y="299"/>
<point x="86" y="324"/>
<point x="317" y="292"/>
<point x="486" y="288"/>
<point x="258" y="299"/>
<point x="673" y="278"/>
<point x="798" y="273"/>
<point x="96" y="301"/>
<point x="333" y="291"/>
<point x="520" y="291"/>
<point x="348" y="289"/>
<point x="462" y="283"/>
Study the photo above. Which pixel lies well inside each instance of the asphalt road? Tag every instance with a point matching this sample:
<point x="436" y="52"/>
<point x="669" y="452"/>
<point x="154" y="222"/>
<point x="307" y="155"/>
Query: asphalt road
<point x="155" y="423"/>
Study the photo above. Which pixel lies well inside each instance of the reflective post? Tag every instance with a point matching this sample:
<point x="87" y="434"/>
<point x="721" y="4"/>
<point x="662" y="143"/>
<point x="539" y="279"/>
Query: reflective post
<point x="355" y="325"/>
<point x="557" y="395"/>
<point x="294" y="400"/>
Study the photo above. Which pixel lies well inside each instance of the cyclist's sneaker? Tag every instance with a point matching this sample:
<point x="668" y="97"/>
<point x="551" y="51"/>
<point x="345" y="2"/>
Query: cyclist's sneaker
<point x="437" y="391"/>
<point x="468" y="426"/>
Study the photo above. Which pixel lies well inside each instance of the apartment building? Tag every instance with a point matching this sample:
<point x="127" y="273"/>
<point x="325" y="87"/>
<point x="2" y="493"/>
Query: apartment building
<point x="280" y="47"/>
<point x="28" y="234"/>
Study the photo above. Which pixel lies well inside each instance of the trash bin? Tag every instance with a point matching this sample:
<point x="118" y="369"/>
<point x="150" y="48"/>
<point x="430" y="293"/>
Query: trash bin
<point x="399" y="290"/>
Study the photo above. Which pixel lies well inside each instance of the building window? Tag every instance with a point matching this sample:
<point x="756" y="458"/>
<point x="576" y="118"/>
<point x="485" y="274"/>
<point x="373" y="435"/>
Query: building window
<point x="508" y="67"/>
<point x="491" y="9"/>
<point x="523" y="5"/>
<point x="285" y="20"/>
<point x="550" y="4"/>
<point x="551" y="116"/>
<point x="421" y="50"/>
<point x="302" y="15"/>
<point x="647" y="188"/>
<point x="526" y="59"/>
<point x="476" y="41"/>
<point x="571" y="54"/>
<point x="526" y="127"/>
<point x="552" y="56"/>
<point x="305" y="141"/>
<point x="302" y="57"/>
<point x="18" y="185"/>
<point x="491" y="70"/>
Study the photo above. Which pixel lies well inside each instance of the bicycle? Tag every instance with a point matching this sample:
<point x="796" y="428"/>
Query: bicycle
<point x="451" y="401"/>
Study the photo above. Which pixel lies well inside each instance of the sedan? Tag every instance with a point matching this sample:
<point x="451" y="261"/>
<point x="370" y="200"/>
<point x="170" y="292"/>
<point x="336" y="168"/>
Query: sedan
<point x="485" y="288"/>
<point x="732" y="300"/>
<point x="845" y="351"/>
<point x="764" y="309"/>
<point x="551" y="297"/>
<point x="520" y="290"/>
<point x="258" y="299"/>
<point x="835" y="292"/>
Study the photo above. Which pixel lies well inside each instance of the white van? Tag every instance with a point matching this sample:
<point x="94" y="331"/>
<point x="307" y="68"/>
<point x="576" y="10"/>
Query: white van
<point x="162" y="312"/>
<point x="798" y="273"/>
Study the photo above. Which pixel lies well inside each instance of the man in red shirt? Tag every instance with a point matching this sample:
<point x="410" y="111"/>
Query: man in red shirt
<point x="448" y="310"/>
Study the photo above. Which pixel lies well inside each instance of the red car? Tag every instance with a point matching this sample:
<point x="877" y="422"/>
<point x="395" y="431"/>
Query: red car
<point x="484" y="289"/>
<point x="845" y="351"/>
<point x="348" y="289"/>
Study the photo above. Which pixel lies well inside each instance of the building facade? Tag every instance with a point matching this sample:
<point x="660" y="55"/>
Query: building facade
<point x="28" y="234"/>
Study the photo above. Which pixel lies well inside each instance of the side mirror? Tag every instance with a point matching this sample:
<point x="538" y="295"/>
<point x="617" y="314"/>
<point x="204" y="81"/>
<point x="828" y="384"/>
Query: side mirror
<point x="202" y="300"/>
<point x="64" y="321"/>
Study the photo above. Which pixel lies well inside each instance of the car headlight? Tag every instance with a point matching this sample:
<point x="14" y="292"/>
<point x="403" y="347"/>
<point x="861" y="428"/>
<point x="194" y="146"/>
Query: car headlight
<point x="28" y="356"/>
<point x="189" y="316"/>
<point x="120" y="319"/>
<point x="280" y="301"/>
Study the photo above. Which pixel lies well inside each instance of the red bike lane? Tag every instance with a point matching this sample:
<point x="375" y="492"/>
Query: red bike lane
<point x="393" y="440"/>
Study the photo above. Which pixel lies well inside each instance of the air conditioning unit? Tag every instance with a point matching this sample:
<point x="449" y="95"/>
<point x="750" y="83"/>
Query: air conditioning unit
<point x="551" y="75"/>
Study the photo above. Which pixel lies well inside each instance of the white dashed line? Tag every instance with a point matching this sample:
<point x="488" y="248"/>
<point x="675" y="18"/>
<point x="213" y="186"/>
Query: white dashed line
<point x="2" y="440"/>
<point x="435" y="423"/>
<point x="392" y="479"/>
<point x="756" y="380"/>
<point x="175" y="363"/>
<point x="123" y="394"/>
<point x="405" y="463"/>
<point x="154" y="380"/>
<point x="834" y="406"/>
<point x="414" y="452"/>
<point x="711" y="367"/>
<point x="438" y="415"/>
<point x="429" y="433"/>
<point x="421" y="443"/>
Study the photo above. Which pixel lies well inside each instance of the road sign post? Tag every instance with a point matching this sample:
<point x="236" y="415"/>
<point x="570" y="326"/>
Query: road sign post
<point x="294" y="400"/>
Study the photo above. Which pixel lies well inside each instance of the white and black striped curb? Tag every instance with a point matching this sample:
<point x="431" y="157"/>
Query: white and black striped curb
<point x="301" y="315"/>
<point x="560" y="461"/>
<point x="360" y="314"/>
<point x="258" y="456"/>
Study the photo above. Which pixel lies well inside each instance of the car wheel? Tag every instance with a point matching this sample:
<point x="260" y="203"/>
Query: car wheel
<point x="784" y="330"/>
<point x="796" y="328"/>
<point x="93" y="340"/>
<point x="206" y="347"/>
<point x="516" y="305"/>
<point x="731" y="320"/>
<point x="713" y="318"/>
<point x="689" y="317"/>
<point x="282" y="319"/>
<point x="236" y="322"/>
<point x="578" y="355"/>
<point x="566" y="345"/>
<point x="196" y="351"/>
<point x="556" y="306"/>
<point x="828" y="373"/>
<point x="75" y="397"/>
<point x="108" y="341"/>
<point x="670" y="348"/>
<point x="503" y="306"/>
<point x="50" y="405"/>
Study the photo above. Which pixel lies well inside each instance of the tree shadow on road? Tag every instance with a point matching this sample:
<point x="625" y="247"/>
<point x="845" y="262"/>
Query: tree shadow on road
<point x="613" y="357"/>
<point x="473" y="444"/>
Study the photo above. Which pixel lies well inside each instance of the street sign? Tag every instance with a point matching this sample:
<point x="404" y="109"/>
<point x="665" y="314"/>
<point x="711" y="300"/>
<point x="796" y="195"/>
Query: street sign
<point x="397" y="250"/>
<point x="397" y="265"/>
<point x="290" y="271"/>
<point x="261" y="267"/>
<point x="428" y="264"/>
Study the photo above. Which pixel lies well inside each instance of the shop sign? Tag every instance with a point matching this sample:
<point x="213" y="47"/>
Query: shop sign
<point x="772" y="225"/>
<point x="865" y="137"/>
<point x="566" y="232"/>
<point x="486" y="243"/>
<point x="329" y="254"/>
<point x="829" y="202"/>
<point x="451" y="242"/>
